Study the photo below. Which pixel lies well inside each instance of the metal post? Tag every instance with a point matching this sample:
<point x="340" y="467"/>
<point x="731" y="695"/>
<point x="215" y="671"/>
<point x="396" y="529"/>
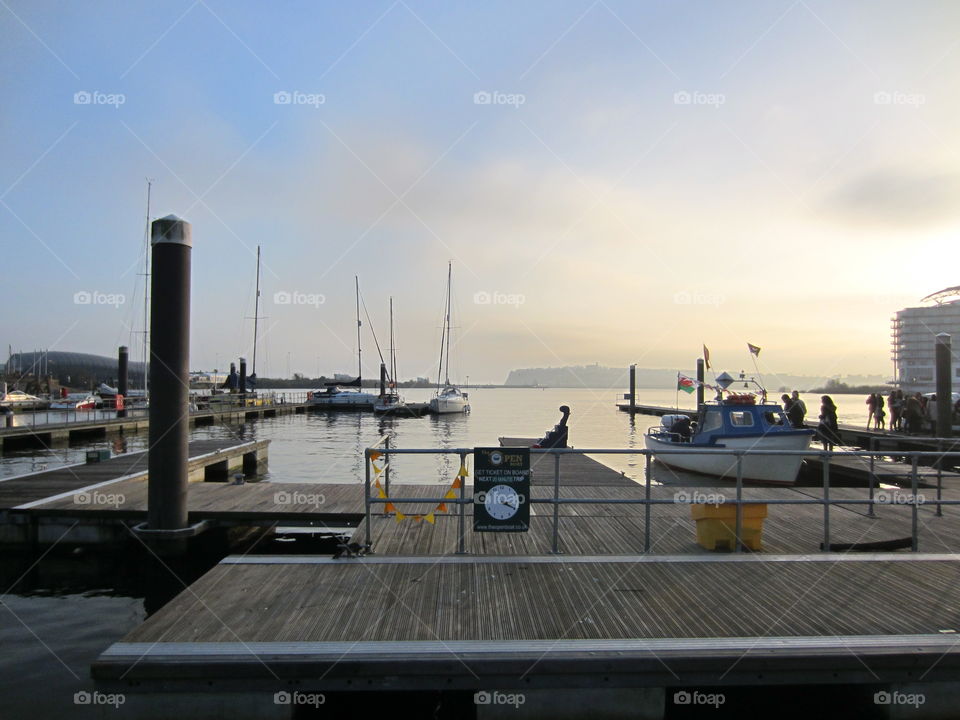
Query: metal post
<point x="826" y="500"/>
<point x="633" y="389"/>
<point x="646" y="507"/>
<point x="940" y="481"/>
<point x="944" y="417"/>
<point x="366" y="494"/>
<point x="169" y="374"/>
<point x="913" y="486"/>
<point x="556" y="504"/>
<point x="122" y="371"/>
<point x="739" y="529"/>
<point x="873" y="442"/>
<point x="386" y="472"/>
<point x="463" y="508"/>
<point x="700" y="379"/>
<point x="243" y="382"/>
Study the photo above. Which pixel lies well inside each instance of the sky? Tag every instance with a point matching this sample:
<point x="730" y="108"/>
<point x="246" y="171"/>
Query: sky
<point x="613" y="182"/>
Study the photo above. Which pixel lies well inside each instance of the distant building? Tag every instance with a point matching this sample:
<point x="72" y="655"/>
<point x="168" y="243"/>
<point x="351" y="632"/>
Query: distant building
<point x="914" y="333"/>
<point x="80" y="370"/>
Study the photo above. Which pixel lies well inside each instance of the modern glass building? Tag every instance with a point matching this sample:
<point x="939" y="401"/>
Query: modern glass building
<point x="914" y="333"/>
<point x="72" y="368"/>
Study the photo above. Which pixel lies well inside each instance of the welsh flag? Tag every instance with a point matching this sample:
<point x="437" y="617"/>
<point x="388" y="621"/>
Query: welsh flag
<point x="686" y="384"/>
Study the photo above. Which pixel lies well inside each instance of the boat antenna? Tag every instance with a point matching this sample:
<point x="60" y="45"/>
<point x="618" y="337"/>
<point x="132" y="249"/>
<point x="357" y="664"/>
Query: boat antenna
<point x="256" y="317"/>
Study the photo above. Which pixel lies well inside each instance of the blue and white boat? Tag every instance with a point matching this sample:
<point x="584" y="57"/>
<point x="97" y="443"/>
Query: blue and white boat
<point x="736" y="422"/>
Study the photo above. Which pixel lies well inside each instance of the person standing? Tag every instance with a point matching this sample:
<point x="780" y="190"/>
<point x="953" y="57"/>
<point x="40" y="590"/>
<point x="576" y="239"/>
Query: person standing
<point x="795" y="396"/>
<point x="913" y="414"/>
<point x="828" y="430"/>
<point x="793" y="410"/>
<point x="871" y="409"/>
<point x="894" y="414"/>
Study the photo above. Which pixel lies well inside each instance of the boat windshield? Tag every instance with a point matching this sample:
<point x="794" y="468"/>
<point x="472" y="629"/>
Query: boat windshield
<point x="741" y="418"/>
<point x="711" y="421"/>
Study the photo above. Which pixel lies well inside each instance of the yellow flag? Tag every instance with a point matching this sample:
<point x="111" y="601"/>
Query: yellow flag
<point x="377" y="470"/>
<point x="399" y="516"/>
<point x="463" y="471"/>
<point x="451" y="495"/>
<point x="430" y="519"/>
<point x="382" y="494"/>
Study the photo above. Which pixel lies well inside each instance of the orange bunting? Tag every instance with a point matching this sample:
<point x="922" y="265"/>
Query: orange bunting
<point x="442" y="507"/>
<point x="389" y="508"/>
<point x="374" y="455"/>
<point x="457" y="483"/>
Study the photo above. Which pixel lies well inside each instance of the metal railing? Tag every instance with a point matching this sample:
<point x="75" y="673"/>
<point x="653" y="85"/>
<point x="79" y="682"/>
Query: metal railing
<point x="914" y="500"/>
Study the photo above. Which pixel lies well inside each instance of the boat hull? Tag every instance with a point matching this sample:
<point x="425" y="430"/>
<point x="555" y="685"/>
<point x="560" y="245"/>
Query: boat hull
<point x="766" y="469"/>
<point x="449" y="405"/>
<point x="343" y="401"/>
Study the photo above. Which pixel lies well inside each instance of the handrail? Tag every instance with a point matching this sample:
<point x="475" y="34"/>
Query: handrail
<point x="913" y="499"/>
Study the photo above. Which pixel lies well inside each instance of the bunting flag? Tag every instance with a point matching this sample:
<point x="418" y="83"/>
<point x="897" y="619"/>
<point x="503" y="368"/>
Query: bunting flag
<point x="706" y="357"/>
<point x="686" y="384"/>
<point x="754" y="350"/>
<point x="374" y="455"/>
<point x="430" y="517"/>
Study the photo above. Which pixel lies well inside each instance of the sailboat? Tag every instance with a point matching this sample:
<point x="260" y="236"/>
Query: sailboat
<point x="341" y="395"/>
<point x="448" y="398"/>
<point x="389" y="402"/>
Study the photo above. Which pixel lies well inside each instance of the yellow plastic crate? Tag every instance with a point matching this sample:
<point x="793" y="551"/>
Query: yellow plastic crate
<point x="717" y="525"/>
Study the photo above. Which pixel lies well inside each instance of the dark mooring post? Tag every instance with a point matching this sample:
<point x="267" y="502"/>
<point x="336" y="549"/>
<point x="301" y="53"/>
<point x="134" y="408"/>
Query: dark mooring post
<point x="944" y="386"/>
<point x="383" y="380"/>
<point x="699" y="382"/>
<point x="633" y="389"/>
<point x="123" y="359"/>
<point x="169" y="377"/>
<point x="243" y="382"/>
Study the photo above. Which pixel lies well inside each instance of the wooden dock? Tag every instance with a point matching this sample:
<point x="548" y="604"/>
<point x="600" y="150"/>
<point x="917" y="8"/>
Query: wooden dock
<point x="601" y="615"/>
<point x="49" y="434"/>
<point x="657" y="410"/>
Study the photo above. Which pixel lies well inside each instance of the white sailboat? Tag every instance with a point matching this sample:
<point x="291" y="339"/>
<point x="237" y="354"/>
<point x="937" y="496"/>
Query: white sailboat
<point x="389" y="401"/>
<point x="342" y="395"/>
<point x="449" y="398"/>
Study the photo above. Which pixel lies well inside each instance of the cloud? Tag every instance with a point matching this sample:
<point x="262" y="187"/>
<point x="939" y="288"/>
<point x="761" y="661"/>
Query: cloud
<point x="898" y="196"/>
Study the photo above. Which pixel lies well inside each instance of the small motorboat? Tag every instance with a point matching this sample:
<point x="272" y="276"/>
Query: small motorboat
<point x="448" y="400"/>
<point x="341" y="398"/>
<point x="19" y="400"/>
<point x="736" y="422"/>
<point x="75" y="401"/>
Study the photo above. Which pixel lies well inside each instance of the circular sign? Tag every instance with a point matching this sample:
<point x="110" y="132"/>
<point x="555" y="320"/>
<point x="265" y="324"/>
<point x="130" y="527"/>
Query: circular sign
<point x="501" y="502"/>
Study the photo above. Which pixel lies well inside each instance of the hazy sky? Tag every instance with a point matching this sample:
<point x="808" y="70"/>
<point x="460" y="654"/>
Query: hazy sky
<point x="614" y="182"/>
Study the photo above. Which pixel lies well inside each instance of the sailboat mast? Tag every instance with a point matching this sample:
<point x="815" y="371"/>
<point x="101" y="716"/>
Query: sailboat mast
<point x="393" y="355"/>
<point x="447" y="363"/>
<point x="256" y="314"/>
<point x="146" y="288"/>
<point x="356" y="281"/>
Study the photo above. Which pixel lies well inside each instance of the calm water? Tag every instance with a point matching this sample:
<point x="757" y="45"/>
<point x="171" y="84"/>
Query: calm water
<point x="328" y="447"/>
<point x="49" y="638"/>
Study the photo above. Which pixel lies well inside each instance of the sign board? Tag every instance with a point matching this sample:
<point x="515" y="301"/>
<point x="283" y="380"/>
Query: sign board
<point x="501" y="489"/>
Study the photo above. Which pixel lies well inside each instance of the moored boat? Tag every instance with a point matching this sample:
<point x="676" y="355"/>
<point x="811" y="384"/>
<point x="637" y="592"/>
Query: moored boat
<point x="737" y="422"/>
<point x="75" y="401"/>
<point x="449" y="398"/>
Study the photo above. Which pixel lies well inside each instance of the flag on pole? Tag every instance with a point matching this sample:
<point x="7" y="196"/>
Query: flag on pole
<point x="754" y="350"/>
<point x="706" y="357"/>
<point x="686" y="384"/>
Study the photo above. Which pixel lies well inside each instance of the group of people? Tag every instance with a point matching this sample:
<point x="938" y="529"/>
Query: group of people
<point x="913" y="414"/>
<point x="828" y="429"/>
